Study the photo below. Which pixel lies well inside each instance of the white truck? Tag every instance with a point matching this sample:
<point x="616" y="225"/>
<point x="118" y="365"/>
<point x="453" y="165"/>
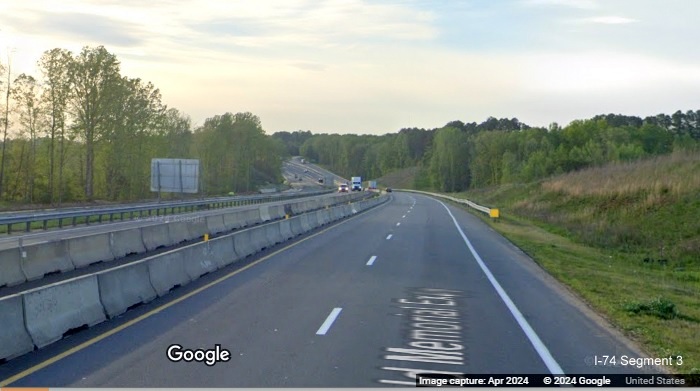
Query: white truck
<point x="356" y="183"/>
<point x="372" y="185"/>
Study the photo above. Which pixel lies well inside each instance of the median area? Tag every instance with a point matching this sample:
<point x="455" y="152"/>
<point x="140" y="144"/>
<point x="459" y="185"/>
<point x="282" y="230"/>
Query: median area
<point x="36" y="317"/>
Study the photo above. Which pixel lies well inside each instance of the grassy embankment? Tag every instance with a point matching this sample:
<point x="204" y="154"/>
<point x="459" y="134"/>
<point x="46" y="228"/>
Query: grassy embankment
<point x="625" y="238"/>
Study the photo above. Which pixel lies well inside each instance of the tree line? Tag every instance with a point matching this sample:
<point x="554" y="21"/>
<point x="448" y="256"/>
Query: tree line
<point x="82" y="131"/>
<point x="459" y="155"/>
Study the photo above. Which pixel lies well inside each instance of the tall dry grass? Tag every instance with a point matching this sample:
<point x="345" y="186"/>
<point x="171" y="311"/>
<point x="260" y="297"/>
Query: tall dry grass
<point x="675" y="174"/>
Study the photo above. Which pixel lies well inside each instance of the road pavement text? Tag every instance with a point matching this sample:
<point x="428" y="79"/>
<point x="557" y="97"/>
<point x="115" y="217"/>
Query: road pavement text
<point x="435" y="335"/>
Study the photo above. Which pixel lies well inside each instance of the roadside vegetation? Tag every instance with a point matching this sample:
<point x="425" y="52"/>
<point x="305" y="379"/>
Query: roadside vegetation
<point x="81" y="131"/>
<point x="609" y="205"/>
<point x="625" y="237"/>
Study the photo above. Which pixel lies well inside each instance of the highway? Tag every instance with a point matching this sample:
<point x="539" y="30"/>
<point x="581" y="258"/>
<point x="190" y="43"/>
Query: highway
<point x="303" y="179"/>
<point x="413" y="285"/>
<point x="78" y="231"/>
<point x="305" y="175"/>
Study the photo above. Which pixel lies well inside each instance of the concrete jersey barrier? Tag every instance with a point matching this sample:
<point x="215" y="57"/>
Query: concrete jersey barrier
<point x="125" y="242"/>
<point x="242" y="244"/>
<point x="11" y="268"/>
<point x="86" y="250"/>
<point x="124" y="287"/>
<point x="197" y="260"/>
<point x="167" y="271"/>
<point x="215" y="224"/>
<point x="53" y="310"/>
<point x="155" y="236"/>
<point x="43" y="315"/>
<point x="234" y="220"/>
<point x="14" y="338"/>
<point x="45" y="258"/>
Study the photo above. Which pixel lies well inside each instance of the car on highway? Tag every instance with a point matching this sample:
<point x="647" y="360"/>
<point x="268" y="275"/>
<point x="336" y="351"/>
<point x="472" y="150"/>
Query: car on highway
<point x="388" y="189"/>
<point x="343" y="188"/>
<point x="320" y="180"/>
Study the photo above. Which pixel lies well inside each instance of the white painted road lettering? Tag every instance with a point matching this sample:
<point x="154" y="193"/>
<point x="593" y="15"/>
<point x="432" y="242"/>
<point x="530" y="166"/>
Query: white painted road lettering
<point x="329" y="321"/>
<point x="371" y="260"/>
<point x="435" y="334"/>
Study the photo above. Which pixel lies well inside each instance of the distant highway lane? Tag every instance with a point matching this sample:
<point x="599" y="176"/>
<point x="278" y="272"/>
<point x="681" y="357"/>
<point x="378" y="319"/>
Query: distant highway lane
<point x="414" y="285"/>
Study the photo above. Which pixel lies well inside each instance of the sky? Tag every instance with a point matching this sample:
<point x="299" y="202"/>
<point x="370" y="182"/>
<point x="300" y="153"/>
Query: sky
<point x="374" y="67"/>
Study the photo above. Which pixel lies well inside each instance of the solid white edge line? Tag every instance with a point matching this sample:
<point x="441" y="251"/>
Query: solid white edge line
<point x="329" y="321"/>
<point x="535" y="340"/>
<point x="389" y="237"/>
<point x="371" y="260"/>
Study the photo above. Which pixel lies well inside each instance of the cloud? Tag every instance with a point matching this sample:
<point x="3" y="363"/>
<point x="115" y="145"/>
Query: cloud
<point x="609" y="20"/>
<point x="329" y="23"/>
<point x="90" y="28"/>
<point x="83" y="27"/>
<point x="578" y="4"/>
<point x="308" y="66"/>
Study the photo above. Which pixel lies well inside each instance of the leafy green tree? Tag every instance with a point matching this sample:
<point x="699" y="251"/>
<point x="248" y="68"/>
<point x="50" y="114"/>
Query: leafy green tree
<point x="94" y="75"/>
<point x="450" y="164"/>
<point x="5" y="121"/>
<point x="54" y="66"/>
<point x="26" y="96"/>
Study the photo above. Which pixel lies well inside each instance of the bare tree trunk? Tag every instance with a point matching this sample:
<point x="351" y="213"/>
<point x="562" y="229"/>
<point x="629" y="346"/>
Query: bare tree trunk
<point x="61" y="163"/>
<point x="52" y="149"/>
<point x="89" y="163"/>
<point x="6" y="123"/>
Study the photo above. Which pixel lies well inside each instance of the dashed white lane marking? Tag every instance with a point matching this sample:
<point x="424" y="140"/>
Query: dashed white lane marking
<point x="329" y="321"/>
<point x="397" y="224"/>
<point x="389" y="237"/>
<point x="371" y="260"/>
<point x="403" y="217"/>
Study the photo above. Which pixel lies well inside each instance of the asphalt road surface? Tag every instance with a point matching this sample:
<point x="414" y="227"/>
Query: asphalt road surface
<point x="410" y="286"/>
<point x="300" y="174"/>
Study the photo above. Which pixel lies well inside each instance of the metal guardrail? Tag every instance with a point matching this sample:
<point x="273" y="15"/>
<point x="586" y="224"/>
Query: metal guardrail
<point x="138" y="211"/>
<point x="492" y="212"/>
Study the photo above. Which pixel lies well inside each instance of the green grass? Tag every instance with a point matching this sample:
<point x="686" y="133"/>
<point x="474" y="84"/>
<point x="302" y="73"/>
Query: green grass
<point x="625" y="238"/>
<point x="399" y="179"/>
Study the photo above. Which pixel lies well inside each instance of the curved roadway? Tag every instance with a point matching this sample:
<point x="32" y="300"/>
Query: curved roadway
<point x="411" y="286"/>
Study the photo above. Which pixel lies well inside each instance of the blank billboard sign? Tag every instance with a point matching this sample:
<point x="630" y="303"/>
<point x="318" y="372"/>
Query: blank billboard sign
<point x="175" y="175"/>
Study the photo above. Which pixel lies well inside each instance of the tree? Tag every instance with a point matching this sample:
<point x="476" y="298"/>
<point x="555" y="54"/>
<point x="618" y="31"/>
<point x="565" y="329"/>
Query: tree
<point x="177" y="131"/>
<point x="94" y="74"/>
<point x="54" y="65"/>
<point x="5" y="122"/>
<point x="25" y="94"/>
<point x="450" y="160"/>
<point x="134" y="115"/>
<point x="236" y="154"/>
